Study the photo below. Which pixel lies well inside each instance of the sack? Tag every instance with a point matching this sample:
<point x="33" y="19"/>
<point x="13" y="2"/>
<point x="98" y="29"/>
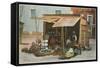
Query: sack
<point x="69" y="53"/>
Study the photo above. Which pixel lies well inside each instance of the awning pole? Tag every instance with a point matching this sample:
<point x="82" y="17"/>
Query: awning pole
<point x="62" y="39"/>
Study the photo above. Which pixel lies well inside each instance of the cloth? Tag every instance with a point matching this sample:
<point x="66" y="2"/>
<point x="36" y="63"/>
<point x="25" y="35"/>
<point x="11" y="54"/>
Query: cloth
<point x="69" y="53"/>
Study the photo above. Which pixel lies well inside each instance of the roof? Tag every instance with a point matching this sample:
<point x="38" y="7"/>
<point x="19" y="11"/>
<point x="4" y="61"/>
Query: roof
<point x="50" y="19"/>
<point x="67" y="21"/>
<point x="83" y="22"/>
<point x="62" y="20"/>
<point x="61" y="14"/>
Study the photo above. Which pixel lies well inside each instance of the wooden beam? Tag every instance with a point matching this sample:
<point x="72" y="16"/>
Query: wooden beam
<point x="62" y="39"/>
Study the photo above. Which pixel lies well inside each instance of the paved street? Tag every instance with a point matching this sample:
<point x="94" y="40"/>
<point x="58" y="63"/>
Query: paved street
<point x="30" y="58"/>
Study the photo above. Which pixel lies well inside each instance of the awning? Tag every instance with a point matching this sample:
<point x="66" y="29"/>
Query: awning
<point x="62" y="21"/>
<point x="67" y="21"/>
<point x="51" y="19"/>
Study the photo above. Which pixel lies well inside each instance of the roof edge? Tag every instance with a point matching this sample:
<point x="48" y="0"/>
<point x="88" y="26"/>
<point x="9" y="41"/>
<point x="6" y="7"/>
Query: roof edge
<point x="62" y="15"/>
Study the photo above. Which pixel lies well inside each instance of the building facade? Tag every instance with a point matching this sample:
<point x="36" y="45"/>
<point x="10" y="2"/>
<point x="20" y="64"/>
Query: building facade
<point x="31" y="15"/>
<point x="90" y="15"/>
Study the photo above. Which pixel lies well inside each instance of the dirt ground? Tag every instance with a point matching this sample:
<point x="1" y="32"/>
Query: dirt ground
<point x="31" y="58"/>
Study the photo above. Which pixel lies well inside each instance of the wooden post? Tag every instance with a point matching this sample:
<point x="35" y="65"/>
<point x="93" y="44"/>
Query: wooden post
<point x="62" y="39"/>
<point x="44" y="30"/>
<point x="56" y="31"/>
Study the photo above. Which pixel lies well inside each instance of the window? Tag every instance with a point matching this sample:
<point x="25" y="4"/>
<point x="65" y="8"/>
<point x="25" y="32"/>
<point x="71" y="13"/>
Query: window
<point x="90" y="19"/>
<point x="58" y="11"/>
<point x="34" y="17"/>
<point x="33" y="13"/>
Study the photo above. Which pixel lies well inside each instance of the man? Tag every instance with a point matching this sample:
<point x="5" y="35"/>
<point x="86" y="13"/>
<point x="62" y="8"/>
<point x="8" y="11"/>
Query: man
<point x="74" y="38"/>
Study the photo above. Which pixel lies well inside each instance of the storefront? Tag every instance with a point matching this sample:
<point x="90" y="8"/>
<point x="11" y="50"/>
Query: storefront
<point x="59" y="28"/>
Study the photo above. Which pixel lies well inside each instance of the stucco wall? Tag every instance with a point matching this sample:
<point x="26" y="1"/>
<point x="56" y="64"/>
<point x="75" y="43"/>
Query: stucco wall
<point x="29" y="23"/>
